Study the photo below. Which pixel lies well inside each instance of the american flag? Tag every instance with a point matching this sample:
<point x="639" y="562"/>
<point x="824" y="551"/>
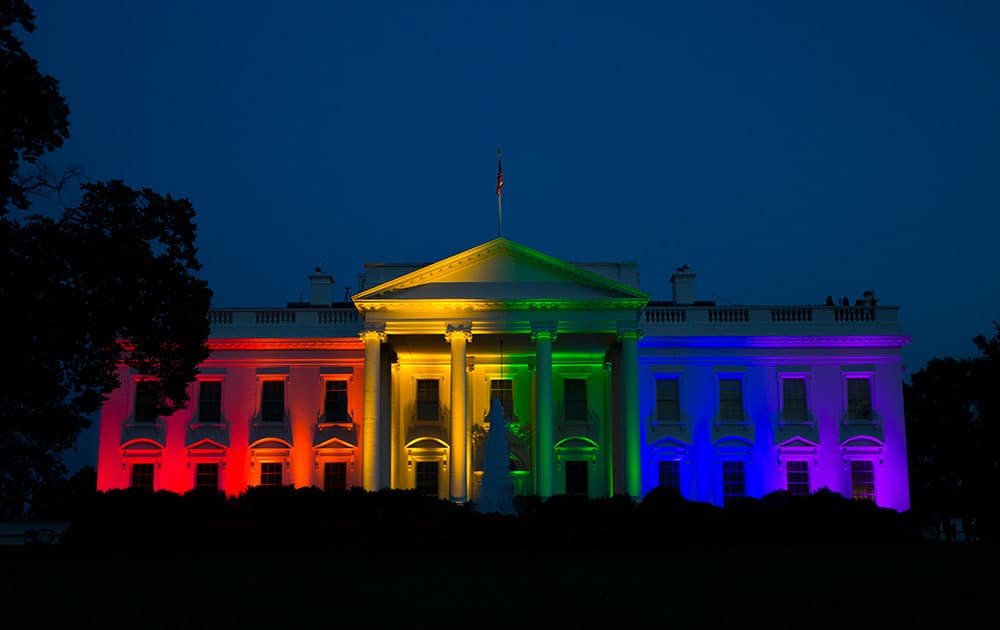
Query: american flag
<point x="499" y="178"/>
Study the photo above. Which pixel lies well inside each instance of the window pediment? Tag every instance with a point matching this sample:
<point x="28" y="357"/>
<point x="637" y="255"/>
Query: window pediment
<point x="142" y="447"/>
<point x="206" y="447"/>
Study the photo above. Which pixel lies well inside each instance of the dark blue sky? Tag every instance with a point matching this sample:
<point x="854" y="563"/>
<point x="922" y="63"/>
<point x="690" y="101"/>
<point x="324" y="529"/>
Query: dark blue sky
<point x="785" y="150"/>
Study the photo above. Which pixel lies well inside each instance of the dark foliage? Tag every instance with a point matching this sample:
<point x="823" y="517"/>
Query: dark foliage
<point x="33" y="114"/>
<point x="953" y="435"/>
<point x="107" y="282"/>
<point x="110" y="281"/>
<point x="64" y="499"/>
<point x="403" y="519"/>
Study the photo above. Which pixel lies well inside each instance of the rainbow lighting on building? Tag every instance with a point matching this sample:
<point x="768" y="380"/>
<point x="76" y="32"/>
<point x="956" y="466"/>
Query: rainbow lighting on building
<point x="604" y="391"/>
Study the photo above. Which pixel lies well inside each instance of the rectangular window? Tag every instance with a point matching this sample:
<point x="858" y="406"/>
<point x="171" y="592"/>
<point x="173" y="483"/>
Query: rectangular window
<point x="428" y="400"/>
<point x="859" y="399"/>
<point x="335" y="402"/>
<point x="427" y="478"/>
<point x="576" y="478"/>
<point x="210" y="402"/>
<point x="206" y="476"/>
<point x="733" y="481"/>
<point x="797" y="475"/>
<point x="272" y="401"/>
<point x="575" y="399"/>
<point x="670" y="474"/>
<point x="730" y="399"/>
<point x="668" y="401"/>
<point x="863" y="480"/>
<point x="142" y="476"/>
<point x="335" y="476"/>
<point x="270" y="474"/>
<point x="145" y="401"/>
<point x="503" y="389"/>
<point x="793" y="400"/>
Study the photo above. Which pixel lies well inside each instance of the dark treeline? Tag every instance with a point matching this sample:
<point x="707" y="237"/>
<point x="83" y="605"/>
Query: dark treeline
<point x="952" y="411"/>
<point x="402" y="518"/>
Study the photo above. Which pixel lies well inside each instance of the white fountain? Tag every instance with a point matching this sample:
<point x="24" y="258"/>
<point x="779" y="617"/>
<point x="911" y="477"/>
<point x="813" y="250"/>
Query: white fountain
<point x="497" y="492"/>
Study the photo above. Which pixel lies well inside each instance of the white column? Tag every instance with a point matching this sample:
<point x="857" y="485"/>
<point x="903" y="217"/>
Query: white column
<point x="544" y="429"/>
<point x="394" y="431"/>
<point x="458" y="336"/>
<point x="630" y="392"/>
<point x="372" y="441"/>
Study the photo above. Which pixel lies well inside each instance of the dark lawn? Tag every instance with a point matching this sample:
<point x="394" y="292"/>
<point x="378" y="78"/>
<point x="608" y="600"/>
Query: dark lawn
<point x="432" y="586"/>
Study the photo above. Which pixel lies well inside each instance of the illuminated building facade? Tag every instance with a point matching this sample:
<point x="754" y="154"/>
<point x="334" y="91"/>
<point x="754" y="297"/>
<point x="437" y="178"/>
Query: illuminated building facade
<point x="605" y="391"/>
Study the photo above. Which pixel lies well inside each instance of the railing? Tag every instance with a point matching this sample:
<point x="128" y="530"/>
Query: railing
<point x="338" y="316"/>
<point x="275" y="317"/>
<point x="220" y="317"/>
<point x="665" y="315"/>
<point x="782" y="316"/>
<point x="854" y="314"/>
<point x="232" y="317"/>
<point x="729" y="315"/>
<point x="791" y="314"/>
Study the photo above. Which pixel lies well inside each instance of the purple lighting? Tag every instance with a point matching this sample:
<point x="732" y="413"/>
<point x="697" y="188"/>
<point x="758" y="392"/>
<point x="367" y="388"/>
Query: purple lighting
<point x="741" y="430"/>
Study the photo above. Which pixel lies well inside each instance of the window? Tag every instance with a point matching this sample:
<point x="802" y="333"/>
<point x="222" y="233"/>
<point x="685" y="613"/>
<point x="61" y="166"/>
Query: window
<point x="335" y="476"/>
<point x="335" y="402"/>
<point x="793" y="400"/>
<point x="859" y="399"/>
<point x="428" y="402"/>
<point x="863" y="480"/>
<point x="576" y="478"/>
<point x="670" y="474"/>
<point x="145" y="401"/>
<point x="797" y="476"/>
<point x="270" y="474"/>
<point x="427" y="478"/>
<point x="668" y="402"/>
<point x="730" y="399"/>
<point x="575" y="399"/>
<point x="142" y="476"/>
<point x="206" y="476"/>
<point x="210" y="402"/>
<point x="272" y="401"/>
<point x="503" y="389"/>
<point x="733" y="481"/>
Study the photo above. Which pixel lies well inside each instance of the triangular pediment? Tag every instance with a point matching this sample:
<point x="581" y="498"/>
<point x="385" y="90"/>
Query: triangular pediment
<point x="669" y="444"/>
<point x="206" y="445"/>
<point x="503" y="272"/>
<point x="334" y="443"/>
<point x="798" y="442"/>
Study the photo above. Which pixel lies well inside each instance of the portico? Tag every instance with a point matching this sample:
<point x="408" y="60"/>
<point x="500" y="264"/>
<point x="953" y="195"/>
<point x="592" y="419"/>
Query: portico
<point x="500" y="320"/>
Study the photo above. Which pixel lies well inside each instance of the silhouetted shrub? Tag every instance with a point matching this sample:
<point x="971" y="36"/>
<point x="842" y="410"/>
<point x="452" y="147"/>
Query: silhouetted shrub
<point x="286" y="516"/>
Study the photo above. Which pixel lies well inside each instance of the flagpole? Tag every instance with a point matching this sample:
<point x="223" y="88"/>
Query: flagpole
<point x="499" y="196"/>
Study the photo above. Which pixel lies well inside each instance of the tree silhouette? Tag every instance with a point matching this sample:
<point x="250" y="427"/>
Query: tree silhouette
<point x="33" y="114"/>
<point x="107" y="282"/>
<point x="952" y="416"/>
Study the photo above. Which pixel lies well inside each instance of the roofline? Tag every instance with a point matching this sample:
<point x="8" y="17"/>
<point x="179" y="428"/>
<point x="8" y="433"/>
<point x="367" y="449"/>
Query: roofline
<point x="500" y="243"/>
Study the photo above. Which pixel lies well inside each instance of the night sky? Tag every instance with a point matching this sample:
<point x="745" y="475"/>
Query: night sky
<point x="785" y="150"/>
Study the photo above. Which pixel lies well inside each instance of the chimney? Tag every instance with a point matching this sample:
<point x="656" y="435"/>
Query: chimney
<point x="683" y="283"/>
<point x="321" y="285"/>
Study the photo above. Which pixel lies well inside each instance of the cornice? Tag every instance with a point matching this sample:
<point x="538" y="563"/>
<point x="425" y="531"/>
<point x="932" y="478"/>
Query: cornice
<point x="500" y="305"/>
<point x="332" y="343"/>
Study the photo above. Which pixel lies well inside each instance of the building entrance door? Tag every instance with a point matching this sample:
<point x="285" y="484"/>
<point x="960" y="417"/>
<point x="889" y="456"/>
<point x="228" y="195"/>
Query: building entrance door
<point x="576" y="478"/>
<point x="428" y="478"/>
